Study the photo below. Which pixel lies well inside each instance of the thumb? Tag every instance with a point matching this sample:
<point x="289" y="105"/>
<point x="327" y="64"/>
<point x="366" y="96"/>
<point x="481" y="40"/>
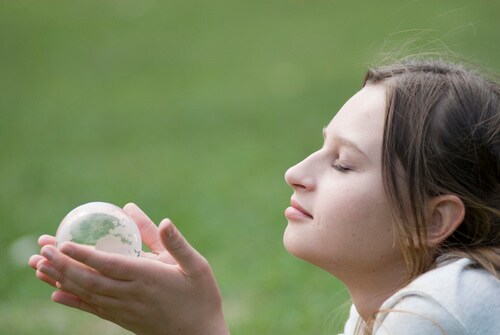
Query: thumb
<point x="188" y="258"/>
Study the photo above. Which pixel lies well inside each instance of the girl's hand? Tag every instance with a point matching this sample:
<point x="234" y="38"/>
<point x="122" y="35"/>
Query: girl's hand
<point x="149" y="235"/>
<point x="169" y="291"/>
<point x="35" y="259"/>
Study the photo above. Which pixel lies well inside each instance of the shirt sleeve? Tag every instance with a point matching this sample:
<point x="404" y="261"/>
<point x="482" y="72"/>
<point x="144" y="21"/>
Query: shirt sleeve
<point x="415" y="315"/>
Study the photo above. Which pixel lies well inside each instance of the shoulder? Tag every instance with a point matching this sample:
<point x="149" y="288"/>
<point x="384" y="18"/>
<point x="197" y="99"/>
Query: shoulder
<point x="454" y="298"/>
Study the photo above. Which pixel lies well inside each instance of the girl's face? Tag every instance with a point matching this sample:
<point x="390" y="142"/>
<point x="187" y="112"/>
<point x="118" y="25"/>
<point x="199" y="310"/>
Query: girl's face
<point x="339" y="218"/>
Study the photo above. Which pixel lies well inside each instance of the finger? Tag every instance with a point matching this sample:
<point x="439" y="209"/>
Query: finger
<point x="33" y="261"/>
<point x="93" y="295"/>
<point x="55" y="266"/>
<point x="44" y="277"/>
<point x="188" y="258"/>
<point x="111" y="265"/>
<point x="36" y="262"/>
<point x="46" y="240"/>
<point x="150" y="255"/>
<point x="80" y="280"/>
<point x="149" y="231"/>
<point x="73" y="301"/>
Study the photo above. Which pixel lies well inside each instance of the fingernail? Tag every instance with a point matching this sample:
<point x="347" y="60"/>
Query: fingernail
<point x="170" y="230"/>
<point x="48" y="270"/>
<point x="48" y="253"/>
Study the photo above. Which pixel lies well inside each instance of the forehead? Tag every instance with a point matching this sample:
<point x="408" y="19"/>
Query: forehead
<point x="361" y="119"/>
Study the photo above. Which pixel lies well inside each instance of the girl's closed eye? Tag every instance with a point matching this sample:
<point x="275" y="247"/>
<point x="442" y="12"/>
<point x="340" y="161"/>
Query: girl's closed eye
<point x="341" y="167"/>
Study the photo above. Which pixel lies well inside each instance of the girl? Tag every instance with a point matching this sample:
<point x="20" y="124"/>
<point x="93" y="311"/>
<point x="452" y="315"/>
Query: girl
<point x="401" y="203"/>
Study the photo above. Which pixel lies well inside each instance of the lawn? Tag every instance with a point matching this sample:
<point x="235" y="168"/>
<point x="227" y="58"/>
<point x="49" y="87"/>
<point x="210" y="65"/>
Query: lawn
<point x="193" y="110"/>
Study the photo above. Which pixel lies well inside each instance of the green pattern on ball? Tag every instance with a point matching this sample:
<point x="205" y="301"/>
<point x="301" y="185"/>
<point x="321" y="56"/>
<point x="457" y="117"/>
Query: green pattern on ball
<point x="89" y="229"/>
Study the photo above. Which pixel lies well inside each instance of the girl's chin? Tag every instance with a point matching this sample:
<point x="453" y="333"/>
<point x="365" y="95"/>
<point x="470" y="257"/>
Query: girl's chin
<point x="297" y="246"/>
<point x="291" y="241"/>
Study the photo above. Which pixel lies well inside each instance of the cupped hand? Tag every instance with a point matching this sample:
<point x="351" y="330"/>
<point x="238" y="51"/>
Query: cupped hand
<point x="149" y="235"/>
<point x="171" y="290"/>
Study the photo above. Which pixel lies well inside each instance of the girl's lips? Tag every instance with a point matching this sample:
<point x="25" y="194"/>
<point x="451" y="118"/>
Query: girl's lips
<point x="296" y="213"/>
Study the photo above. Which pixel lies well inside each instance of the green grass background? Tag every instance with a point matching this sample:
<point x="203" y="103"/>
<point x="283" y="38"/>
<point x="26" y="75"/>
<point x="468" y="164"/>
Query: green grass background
<point x="193" y="110"/>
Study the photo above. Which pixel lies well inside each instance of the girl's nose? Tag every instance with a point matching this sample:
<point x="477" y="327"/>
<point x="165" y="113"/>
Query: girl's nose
<point x="299" y="177"/>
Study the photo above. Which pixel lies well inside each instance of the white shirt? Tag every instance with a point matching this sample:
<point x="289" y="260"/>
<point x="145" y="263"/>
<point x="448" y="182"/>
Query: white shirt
<point x="453" y="299"/>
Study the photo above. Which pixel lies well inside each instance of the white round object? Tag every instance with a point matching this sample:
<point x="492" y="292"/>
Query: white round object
<point x="103" y="226"/>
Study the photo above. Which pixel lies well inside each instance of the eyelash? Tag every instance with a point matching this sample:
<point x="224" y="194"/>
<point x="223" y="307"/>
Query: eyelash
<point x="340" y="168"/>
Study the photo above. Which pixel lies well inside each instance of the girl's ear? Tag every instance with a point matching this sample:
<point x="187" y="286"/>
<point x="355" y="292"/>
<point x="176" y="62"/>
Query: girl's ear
<point x="447" y="213"/>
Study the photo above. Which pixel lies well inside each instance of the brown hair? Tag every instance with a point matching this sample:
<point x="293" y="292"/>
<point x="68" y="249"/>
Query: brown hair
<point x="442" y="127"/>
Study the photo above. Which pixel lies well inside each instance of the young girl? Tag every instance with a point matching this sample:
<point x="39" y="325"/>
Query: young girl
<point x="401" y="203"/>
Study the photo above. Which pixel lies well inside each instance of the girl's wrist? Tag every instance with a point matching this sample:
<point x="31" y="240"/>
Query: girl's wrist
<point x="216" y="326"/>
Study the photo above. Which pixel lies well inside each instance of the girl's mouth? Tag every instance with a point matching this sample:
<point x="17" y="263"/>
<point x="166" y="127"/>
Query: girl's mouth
<point x="296" y="213"/>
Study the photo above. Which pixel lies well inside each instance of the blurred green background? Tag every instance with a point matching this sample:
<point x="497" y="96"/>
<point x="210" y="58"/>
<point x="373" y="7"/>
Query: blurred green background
<point x="193" y="110"/>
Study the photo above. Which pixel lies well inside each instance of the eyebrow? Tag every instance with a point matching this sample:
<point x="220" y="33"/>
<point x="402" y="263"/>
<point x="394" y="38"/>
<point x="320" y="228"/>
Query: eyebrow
<point x="346" y="142"/>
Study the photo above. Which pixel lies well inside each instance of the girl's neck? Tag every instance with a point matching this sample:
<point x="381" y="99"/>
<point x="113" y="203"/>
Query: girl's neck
<point x="370" y="289"/>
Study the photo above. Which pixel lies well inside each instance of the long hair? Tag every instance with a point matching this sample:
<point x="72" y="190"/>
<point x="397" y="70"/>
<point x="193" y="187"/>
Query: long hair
<point x="442" y="136"/>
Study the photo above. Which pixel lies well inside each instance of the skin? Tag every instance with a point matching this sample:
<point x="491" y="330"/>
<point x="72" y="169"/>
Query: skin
<point x="348" y="227"/>
<point x="339" y="220"/>
<point x="140" y="294"/>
